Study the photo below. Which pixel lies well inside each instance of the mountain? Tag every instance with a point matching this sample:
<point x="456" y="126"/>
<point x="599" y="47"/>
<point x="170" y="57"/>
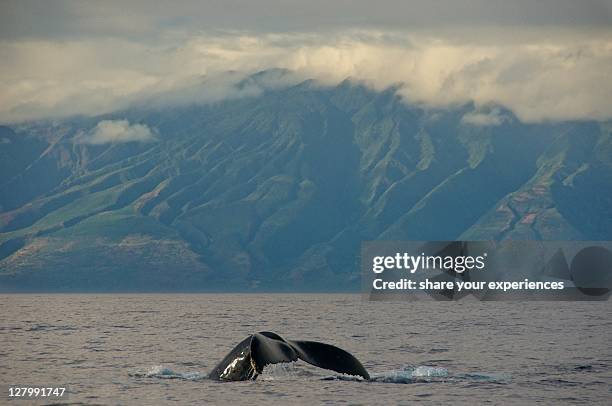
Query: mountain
<point x="277" y="191"/>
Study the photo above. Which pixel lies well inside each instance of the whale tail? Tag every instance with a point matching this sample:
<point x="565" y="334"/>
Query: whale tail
<point x="327" y="356"/>
<point x="252" y="354"/>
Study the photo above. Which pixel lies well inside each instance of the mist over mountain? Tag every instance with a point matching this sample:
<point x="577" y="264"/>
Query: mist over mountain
<point x="276" y="191"/>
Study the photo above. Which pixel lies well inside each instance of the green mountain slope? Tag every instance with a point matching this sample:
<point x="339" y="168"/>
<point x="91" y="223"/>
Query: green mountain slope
<point x="277" y="191"/>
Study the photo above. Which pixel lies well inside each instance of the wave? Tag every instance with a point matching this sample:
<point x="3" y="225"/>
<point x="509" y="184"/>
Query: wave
<point x="406" y="375"/>
<point x="161" y="372"/>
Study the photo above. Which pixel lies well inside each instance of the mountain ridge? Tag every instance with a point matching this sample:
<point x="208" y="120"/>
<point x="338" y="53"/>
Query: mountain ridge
<point x="276" y="191"/>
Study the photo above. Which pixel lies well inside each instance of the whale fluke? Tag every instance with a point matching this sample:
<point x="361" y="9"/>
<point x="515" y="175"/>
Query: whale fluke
<point x="248" y="359"/>
<point x="327" y="356"/>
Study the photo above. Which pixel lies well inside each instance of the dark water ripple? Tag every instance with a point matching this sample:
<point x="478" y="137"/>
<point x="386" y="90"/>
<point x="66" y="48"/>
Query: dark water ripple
<point x="151" y="349"/>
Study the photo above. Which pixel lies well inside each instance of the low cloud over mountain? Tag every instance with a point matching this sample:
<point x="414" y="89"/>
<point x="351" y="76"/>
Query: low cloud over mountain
<point x="558" y="76"/>
<point x="118" y="131"/>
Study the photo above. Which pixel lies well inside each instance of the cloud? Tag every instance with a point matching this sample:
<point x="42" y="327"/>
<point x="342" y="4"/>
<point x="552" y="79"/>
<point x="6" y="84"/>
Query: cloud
<point x="118" y="131"/>
<point x="539" y="75"/>
<point x="484" y="119"/>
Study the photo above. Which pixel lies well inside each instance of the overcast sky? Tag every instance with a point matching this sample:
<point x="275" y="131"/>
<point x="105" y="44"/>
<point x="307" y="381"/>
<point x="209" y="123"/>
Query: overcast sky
<point x="545" y="60"/>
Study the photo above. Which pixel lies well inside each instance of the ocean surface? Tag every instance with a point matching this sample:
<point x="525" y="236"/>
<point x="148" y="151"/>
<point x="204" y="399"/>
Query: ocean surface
<point x="157" y="349"/>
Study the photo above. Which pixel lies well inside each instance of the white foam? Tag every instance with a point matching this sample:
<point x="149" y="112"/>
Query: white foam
<point x="162" y="372"/>
<point x="427" y="371"/>
<point x="410" y="374"/>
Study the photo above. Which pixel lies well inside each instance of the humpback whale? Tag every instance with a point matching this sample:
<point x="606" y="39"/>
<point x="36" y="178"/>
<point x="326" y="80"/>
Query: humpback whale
<point x="248" y="359"/>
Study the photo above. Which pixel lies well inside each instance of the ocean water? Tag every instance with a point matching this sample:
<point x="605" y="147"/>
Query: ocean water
<point x="154" y="349"/>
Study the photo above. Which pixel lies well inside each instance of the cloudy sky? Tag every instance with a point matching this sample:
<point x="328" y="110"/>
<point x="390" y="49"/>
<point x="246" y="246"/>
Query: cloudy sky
<point x="544" y="60"/>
